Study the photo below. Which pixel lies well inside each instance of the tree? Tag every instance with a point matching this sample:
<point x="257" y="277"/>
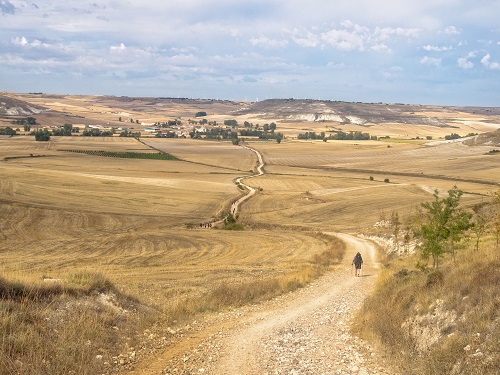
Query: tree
<point x="42" y="135"/>
<point x="396" y="225"/>
<point x="459" y="220"/>
<point x="444" y="225"/>
<point x="232" y="123"/>
<point x="480" y="221"/>
<point x="7" y="131"/>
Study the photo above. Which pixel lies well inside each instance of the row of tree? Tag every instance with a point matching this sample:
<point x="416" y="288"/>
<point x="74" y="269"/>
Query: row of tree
<point x="338" y="135"/>
<point x="457" y="136"/>
<point x="8" y="131"/>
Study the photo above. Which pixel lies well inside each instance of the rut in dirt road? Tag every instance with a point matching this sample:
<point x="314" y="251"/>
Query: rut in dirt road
<point x="305" y="332"/>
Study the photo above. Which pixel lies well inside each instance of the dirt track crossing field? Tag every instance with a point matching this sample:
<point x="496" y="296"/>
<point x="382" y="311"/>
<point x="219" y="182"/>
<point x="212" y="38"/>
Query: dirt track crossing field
<point x="306" y="332"/>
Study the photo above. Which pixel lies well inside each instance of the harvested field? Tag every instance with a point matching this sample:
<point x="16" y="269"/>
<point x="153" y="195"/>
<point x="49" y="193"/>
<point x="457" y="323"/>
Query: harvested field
<point x="137" y="221"/>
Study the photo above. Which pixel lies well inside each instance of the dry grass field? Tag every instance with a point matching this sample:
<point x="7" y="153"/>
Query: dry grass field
<point x="137" y="222"/>
<point x="328" y="186"/>
<point x="63" y="213"/>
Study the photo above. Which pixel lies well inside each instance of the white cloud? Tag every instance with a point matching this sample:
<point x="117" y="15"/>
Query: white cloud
<point x="266" y="42"/>
<point x="430" y="47"/>
<point x="344" y="40"/>
<point x="430" y="61"/>
<point x="353" y="37"/>
<point x="393" y="73"/>
<point x="308" y="39"/>
<point x="334" y="65"/>
<point x="35" y="43"/>
<point x="381" y="48"/>
<point x="118" y="49"/>
<point x="488" y="64"/>
<point x="451" y="30"/>
<point x="385" y="33"/>
<point x="464" y="63"/>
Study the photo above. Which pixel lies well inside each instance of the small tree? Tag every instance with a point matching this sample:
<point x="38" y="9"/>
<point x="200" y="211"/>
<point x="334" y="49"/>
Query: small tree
<point x="396" y="225"/>
<point x="444" y="223"/>
<point x="480" y="221"/>
<point x="42" y="135"/>
<point x="459" y="220"/>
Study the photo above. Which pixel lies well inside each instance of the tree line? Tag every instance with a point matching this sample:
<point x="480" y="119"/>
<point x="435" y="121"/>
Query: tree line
<point x="337" y="135"/>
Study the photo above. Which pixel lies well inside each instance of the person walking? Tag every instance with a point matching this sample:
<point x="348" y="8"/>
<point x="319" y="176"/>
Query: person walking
<point x="358" y="263"/>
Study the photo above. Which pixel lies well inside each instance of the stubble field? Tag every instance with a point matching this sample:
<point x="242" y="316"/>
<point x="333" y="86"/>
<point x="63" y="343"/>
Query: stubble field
<point x="137" y="222"/>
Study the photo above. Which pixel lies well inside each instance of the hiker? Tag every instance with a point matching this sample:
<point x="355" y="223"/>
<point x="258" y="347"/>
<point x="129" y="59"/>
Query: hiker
<point x="357" y="262"/>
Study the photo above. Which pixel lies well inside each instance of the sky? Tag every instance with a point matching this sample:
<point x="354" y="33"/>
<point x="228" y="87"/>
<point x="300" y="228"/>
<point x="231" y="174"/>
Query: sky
<point x="442" y="52"/>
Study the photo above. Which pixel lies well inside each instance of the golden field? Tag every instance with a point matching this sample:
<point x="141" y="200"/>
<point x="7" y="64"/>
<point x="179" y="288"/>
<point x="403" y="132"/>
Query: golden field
<point x="137" y="222"/>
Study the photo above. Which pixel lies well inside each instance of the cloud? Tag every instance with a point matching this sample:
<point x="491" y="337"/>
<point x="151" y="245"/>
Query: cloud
<point x="7" y="7"/>
<point x="437" y="48"/>
<point x="266" y="42"/>
<point x="344" y="40"/>
<point x="118" y="49"/>
<point x="393" y="73"/>
<point x="35" y="43"/>
<point x="451" y="30"/>
<point x="353" y="37"/>
<point x="381" y="48"/>
<point x="305" y="38"/>
<point x="385" y="33"/>
<point x="430" y="61"/>
<point x="196" y="45"/>
<point x="488" y="64"/>
<point x="465" y="63"/>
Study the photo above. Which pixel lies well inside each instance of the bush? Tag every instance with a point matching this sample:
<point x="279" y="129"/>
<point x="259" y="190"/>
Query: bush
<point x="42" y="135"/>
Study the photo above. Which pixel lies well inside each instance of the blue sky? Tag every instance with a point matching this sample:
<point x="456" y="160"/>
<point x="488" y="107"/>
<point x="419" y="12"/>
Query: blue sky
<point x="444" y="52"/>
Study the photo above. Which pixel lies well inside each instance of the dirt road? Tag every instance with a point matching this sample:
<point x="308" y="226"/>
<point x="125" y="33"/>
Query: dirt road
<point x="304" y="332"/>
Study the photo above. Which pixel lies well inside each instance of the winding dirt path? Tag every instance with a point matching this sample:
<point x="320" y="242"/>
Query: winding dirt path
<point x="304" y="332"/>
<point x="239" y="181"/>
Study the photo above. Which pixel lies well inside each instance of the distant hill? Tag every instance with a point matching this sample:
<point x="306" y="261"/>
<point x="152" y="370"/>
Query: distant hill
<point x="357" y="113"/>
<point x="10" y="107"/>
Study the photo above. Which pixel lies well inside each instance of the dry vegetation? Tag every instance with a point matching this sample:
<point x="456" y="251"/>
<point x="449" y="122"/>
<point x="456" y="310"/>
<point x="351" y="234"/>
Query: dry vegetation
<point x="96" y="251"/>
<point x="439" y="322"/>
